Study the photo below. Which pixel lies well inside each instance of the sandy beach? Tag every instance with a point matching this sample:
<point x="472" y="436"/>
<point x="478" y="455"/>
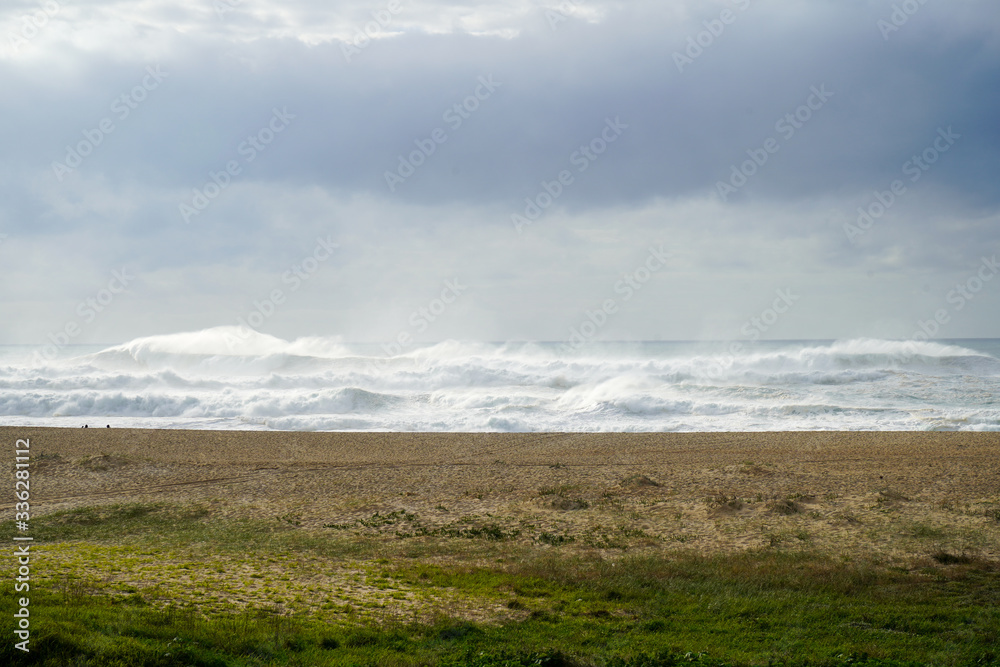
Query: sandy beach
<point x="894" y="495"/>
<point x="352" y="547"/>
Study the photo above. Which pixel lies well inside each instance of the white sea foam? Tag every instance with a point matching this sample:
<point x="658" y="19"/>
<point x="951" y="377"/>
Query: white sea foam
<point x="228" y="378"/>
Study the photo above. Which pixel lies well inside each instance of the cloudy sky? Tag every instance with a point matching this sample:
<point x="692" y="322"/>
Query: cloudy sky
<point x="175" y="165"/>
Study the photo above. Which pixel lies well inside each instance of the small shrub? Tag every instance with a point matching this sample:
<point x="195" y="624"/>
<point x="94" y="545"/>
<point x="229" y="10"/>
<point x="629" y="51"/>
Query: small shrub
<point x="724" y="504"/>
<point x="568" y="504"/>
<point x="784" y="507"/>
<point x="946" y="558"/>
<point x="561" y="490"/>
<point x="553" y="539"/>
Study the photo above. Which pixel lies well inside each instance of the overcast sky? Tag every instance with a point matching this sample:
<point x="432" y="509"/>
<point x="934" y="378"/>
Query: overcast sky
<point x="739" y="137"/>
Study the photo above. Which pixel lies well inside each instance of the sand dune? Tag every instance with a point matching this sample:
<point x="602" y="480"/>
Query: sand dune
<point x="890" y="494"/>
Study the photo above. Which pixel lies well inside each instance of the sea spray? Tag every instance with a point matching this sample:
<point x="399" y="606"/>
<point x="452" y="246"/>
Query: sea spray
<point x="201" y="380"/>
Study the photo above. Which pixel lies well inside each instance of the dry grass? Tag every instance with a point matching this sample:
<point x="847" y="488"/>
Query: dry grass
<point x="575" y="531"/>
<point x="897" y="496"/>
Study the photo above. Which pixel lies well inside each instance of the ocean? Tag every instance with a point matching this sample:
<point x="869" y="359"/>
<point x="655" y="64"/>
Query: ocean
<point x="224" y="378"/>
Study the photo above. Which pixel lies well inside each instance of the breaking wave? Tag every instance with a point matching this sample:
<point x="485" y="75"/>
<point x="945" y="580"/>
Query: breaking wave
<point x="228" y="377"/>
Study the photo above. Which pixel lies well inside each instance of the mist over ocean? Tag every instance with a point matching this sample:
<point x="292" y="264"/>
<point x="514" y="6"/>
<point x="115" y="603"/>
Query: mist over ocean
<point x="217" y="379"/>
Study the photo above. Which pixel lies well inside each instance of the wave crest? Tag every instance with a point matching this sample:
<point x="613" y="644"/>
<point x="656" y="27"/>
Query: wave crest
<point x="239" y="378"/>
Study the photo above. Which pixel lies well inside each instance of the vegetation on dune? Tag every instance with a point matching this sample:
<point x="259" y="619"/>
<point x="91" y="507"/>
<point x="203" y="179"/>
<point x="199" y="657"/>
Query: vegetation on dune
<point x="158" y="585"/>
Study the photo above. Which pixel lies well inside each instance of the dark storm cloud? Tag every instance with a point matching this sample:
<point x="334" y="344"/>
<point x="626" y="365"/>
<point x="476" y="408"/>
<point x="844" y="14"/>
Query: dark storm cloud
<point x="694" y="90"/>
<point x="556" y="88"/>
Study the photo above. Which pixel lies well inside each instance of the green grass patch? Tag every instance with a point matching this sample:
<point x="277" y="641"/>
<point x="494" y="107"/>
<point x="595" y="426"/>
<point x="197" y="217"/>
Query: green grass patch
<point x="543" y="607"/>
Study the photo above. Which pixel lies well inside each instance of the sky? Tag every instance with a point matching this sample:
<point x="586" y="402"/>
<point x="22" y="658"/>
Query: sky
<point x="401" y="170"/>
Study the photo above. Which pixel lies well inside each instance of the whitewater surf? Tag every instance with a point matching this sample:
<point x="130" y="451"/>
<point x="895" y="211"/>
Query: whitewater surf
<point x="228" y="378"/>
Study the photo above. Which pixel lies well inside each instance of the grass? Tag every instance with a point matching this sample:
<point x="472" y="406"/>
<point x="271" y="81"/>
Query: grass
<point x="469" y="527"/>
<point x="109" y="591"/>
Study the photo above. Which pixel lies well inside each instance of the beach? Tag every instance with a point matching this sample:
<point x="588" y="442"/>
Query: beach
<point x="850" y="493"/>
<point x="266" y="547"/>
